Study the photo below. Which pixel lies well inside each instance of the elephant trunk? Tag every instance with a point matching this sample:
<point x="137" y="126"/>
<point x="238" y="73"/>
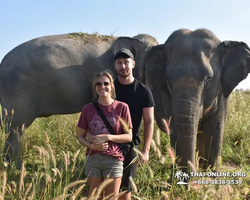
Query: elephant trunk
<point x="185" y="125"/>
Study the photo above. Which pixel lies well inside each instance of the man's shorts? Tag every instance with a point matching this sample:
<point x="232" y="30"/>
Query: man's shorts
<point x="129" y="166"/>
<point x="101" y="165"/>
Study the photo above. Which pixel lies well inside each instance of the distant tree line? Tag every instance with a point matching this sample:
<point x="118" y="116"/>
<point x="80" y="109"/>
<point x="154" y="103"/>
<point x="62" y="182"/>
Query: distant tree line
<point x="247" y="91"/>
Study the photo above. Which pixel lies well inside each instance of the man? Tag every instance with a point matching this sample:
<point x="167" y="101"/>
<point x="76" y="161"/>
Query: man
<point x="141" y="104"/>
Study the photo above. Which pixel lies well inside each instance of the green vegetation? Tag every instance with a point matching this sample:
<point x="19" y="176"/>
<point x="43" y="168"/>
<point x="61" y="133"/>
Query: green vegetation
<point x="53" y="165"/>
<point x="86" y="37"/>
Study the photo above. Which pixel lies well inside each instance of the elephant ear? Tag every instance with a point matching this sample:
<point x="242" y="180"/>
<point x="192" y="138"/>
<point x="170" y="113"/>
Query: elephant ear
<point x="152" y="73"/>
<point x="235" y="60"/>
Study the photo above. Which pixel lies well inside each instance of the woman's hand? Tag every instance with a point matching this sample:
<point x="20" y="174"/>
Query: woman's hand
<point x="100" y="147"/>
<point x="99" y="139"/>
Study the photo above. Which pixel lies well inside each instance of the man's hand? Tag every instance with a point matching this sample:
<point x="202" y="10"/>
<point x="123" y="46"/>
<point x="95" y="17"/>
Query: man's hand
<point x="143" y="157"/>
<point x="98" y="139"/>
<point x="100" y="147"/>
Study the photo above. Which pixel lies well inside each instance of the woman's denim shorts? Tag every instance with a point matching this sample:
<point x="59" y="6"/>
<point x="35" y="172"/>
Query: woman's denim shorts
<point x="101" y="165"/>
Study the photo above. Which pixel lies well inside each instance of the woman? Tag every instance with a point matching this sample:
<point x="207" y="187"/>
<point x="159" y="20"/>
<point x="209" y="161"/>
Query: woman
<point x="105" y="159"/>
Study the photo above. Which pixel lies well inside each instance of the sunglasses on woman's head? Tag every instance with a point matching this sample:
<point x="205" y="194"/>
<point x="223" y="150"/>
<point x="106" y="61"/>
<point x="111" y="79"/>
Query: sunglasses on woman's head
<point x="99" y="84"/>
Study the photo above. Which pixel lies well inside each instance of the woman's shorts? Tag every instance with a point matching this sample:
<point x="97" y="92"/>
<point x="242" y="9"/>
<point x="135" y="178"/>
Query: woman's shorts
<point x="101" y="165"/>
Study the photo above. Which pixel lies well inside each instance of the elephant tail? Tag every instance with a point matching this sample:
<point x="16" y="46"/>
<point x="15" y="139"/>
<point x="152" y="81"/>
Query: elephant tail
<point x="147" y="55"/>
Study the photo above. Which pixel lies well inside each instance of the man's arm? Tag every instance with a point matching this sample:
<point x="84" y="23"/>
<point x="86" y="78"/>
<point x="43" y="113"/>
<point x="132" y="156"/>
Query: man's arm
<point x="148" y="118"/>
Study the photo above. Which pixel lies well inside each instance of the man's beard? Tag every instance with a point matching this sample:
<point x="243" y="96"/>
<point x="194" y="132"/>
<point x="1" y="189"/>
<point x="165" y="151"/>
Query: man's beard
<point x="124" y="75"/>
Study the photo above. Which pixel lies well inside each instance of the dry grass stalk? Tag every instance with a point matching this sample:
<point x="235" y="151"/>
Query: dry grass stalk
<point x="23" y="127"/>
<point x="66" y="161"/>
<point x="165" y="195"/>
<point x="210" y="191"/>
<point x="245" y="191"/>
<point x="43" y="151"/>
<point x="124" y="124"/>
<point x="31" y="197"/>
<point x="119" y="195"/>
<point x="192" y="166"/>
<point x="45" y="157"/>
<point x="21" y="185"/>
<point x="49" y="179"/>
<point x="61" y="197"/>
<point x="139" y="153"/>
<point x="219" y="161"/>
<point x="92" y="194"/>
<point x="157" y="137"/>
<point x="56" y="171"/>
<point x="151" y="173"/>
<point x="166" y="125"/>
<point x="13" y="186"/>
<point x="72" y="185"/>
<point x="197" y="159"/>
<point x="108" y="197"/>
<point x="74" y="160"/>
<point x="4" y="184"/>
<point x="171" y="155"/>
<point x="227" y="192"/>
<point x="135" y="190"/>
<point x="72" y="197"/>
<point x="5" y="112"/>
<point x="164" y="184"/>
<point x="77" y="153"/>
<point x="27" y="190"/>
<point x="153" y="145"/>
<point x="46" y="135"/>
<point x="102" y="187"/>
<point x="52" y="155"/>
<point x="78" y="191"/>
<point x="68" y="157"/>
<point x="162" y="160"/>
<point x="40" y="151"/>
<point x="159" y="154"/>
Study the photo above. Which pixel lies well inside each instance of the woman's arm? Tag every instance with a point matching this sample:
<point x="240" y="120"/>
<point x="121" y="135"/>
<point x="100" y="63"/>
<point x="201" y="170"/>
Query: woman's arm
<point x="97" y="146"/>
<point x="121" y="138"/>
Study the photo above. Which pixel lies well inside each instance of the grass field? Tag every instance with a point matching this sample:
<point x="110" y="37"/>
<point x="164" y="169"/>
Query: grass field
<point x="53" y="166"/>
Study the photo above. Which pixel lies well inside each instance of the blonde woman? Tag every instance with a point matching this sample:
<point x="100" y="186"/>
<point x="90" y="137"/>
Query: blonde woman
<point x="104" y="158"/>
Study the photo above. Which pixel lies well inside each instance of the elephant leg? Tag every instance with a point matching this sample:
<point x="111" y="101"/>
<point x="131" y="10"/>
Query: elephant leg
<point x="15" y="121"/>
<point x="213" y="130"/>
<point x="12" y="149"/>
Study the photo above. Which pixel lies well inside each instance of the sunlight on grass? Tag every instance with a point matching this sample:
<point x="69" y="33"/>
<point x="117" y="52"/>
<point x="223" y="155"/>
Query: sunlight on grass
<point x="53" y="166"/>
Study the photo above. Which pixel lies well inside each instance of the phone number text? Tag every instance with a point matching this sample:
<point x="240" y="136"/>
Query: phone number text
<point x="218" y="182"/>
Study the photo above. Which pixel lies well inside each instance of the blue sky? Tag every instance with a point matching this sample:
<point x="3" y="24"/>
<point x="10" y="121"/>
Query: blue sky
<point x="27" y="19"/>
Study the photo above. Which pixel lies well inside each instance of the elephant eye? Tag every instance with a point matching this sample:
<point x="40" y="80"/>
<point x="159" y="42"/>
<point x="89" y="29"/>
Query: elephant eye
<point x="207" y="80"/>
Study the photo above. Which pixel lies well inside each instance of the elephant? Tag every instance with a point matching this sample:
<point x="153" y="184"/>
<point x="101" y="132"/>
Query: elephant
<point x="191" y="77"/>
<point x="53" y="75"/>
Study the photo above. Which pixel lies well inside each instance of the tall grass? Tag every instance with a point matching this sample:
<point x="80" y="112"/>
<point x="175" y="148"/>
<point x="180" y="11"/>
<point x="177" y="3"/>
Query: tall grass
<point x="54" y="162"/>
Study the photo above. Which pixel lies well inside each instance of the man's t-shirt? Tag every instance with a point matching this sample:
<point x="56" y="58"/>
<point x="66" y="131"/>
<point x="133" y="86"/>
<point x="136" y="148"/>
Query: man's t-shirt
<point x="90" y="120"/>
<point x="137" y="96"/>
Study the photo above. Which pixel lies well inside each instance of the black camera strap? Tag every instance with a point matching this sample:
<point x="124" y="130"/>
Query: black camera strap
<point x="104" y="119"/>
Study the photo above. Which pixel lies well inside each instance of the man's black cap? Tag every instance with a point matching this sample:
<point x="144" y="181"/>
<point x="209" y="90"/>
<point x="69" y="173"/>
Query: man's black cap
<point x="122" y="51"/>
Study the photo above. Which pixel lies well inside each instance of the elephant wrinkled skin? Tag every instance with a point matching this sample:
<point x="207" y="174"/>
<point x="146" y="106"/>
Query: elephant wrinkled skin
<point x="191" y="77"/>
<point x="53" y="75"/>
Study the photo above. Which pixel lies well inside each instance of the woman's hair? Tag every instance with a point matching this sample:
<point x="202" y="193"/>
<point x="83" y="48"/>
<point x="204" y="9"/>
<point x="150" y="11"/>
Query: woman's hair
<point x="108" y="74"/>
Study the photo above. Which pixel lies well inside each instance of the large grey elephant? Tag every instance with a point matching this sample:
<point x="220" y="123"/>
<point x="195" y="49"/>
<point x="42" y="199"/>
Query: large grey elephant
<point x="191" y="77"/>
<point x="53" y="75"/>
